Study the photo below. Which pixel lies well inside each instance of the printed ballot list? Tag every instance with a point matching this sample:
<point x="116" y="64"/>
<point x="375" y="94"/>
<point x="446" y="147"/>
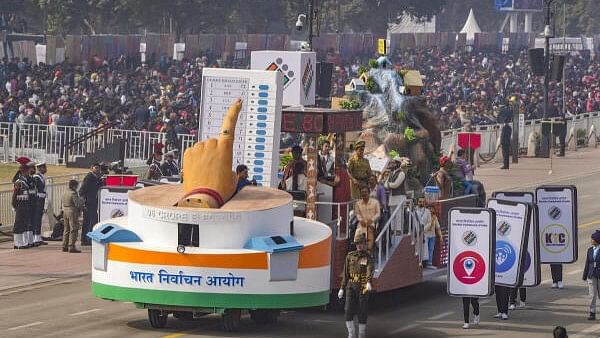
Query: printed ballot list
<point x="257" y="130"/>
<point x="471" y="265"/>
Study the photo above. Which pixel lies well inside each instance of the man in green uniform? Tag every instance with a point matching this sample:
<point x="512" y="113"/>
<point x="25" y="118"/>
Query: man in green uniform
<point x="356" y="284"/>
<point x="359" y="169"/>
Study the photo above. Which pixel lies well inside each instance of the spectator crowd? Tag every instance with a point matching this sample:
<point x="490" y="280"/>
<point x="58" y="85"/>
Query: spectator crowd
<point x="163" y="95"/>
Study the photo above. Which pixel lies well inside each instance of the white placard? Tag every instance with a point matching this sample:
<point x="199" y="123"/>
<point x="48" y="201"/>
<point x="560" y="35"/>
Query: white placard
<point x="40" y="53"/>
<point x="142" y="47"/>
<point x="298" y="70"/>
<point x="512" y="230"/>
<point x="377" y="163"/>
<point x="557" y="207"/>
<point x="471" y="248"/>
<point x="178" y="50"/>
<point x="532" y="276"/>
<point x="522" y="131"/>
<point x="112" y="202"/>
<point x="259" y="124"/>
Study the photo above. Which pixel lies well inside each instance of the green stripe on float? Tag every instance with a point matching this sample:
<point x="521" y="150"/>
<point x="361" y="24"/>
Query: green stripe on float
<point x="218" y="300"/>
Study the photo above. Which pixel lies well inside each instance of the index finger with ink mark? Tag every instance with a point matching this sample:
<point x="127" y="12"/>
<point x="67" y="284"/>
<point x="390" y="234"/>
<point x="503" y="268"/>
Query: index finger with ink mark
<point x="230" y="120"/>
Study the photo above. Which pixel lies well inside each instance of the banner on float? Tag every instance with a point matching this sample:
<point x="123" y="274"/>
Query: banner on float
<point x="112" y="202"/>
<point x="532" y="267"/>
<point x="512" y="232"/>
<point x="471" y="241"/>
<point x="557" y="206"/>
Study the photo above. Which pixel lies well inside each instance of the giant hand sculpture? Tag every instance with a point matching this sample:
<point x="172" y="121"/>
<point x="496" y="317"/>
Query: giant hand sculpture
<point x="208" y="181"/>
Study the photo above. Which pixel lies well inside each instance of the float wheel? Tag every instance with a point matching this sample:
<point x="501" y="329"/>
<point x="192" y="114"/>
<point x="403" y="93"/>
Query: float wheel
<point x="158" y="320"/>
<point x="232" y="319"/>
<point x="264" y="316"/>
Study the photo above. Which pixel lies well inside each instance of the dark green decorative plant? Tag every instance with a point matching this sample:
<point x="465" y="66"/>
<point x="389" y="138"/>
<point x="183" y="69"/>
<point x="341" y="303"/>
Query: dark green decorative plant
<point x="373" y="63"/>
<point x="284" y="160"/>
<point x="351" y="104"/>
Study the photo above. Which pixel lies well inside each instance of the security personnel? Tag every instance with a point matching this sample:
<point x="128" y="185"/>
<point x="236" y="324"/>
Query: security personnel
<point x="89" y="192"/>
<point x="359" y="169"/>
<point x="169" y="166"/>
<point x="39" y="207"/>
<point x="356" y="283"/>
<point x="505" y="143"/>
<point x="591" y="272"/>
<point x="21" y="202"/>
<point x="154" y="171"/>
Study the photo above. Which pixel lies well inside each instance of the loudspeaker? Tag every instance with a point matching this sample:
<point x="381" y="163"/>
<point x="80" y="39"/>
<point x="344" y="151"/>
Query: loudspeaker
<point x="324" y="72"/>
<point x="556" y="67"/>
<point x="536" y="61"/>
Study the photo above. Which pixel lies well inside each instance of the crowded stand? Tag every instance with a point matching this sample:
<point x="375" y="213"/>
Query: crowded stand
<point x="463" y="88"/>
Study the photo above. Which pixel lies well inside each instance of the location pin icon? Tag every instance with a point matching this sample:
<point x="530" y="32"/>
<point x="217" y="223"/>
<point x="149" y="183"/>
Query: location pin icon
<point x="469" y="266"/>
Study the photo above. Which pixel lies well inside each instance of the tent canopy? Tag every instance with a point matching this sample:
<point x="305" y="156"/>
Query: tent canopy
<point x="471" y="26"/>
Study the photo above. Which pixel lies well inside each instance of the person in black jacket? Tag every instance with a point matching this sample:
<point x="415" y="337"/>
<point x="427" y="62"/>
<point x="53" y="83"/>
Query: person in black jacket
<point x="591" y="272"/>
<point x="89" y="192"/>
<point x="505" y="143"/>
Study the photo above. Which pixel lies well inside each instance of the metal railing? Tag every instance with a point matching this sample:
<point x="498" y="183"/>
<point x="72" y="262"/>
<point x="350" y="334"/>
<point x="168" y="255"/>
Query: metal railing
<point x="402" y="222"/>
<point x="341" y="217"/>
<point x="490" y="133"/>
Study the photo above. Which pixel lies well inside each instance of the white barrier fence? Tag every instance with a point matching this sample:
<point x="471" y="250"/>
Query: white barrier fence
<point x="490" y="134"/>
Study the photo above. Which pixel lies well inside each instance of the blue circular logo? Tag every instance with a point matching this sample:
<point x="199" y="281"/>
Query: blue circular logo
<point x="527" y="261"/>
<point x="505" y="256"/>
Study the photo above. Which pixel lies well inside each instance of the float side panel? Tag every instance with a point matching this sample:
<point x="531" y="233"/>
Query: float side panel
<point x="218" y="300"/>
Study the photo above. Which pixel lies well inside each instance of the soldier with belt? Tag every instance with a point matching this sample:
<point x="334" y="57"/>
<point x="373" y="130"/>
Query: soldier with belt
<point x="356" y="284"/>
<point x="154" y="170"/>
<point x="359" y="169"/>
<point x="169" y="166"/>
<point x="39" y="205"/>
<point x="22" y="203"/>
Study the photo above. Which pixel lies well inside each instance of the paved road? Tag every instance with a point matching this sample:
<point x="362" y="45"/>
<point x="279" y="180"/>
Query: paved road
<point x="65" y="308"/>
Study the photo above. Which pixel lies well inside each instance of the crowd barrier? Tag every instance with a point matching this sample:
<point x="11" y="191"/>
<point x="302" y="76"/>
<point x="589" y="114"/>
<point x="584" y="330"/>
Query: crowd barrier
<point x="490" y="134"/>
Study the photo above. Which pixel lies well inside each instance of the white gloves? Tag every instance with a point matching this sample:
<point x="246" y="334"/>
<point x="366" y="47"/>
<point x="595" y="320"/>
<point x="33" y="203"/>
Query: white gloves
<point x="369" y="287"/>
<point x="341" y="294"/>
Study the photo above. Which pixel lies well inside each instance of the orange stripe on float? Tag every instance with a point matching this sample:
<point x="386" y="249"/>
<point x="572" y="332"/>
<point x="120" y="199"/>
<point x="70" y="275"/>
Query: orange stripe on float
<point x="312" y="256"/>
<point x="315" y="255"/>
<point x="227" y="261"/>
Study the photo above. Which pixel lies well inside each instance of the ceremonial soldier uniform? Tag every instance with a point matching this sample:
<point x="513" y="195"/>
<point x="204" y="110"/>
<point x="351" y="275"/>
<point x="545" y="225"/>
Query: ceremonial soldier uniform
<point x="22" y="203"/>
<point x="39" y="181"/>
<point x="169" y="166"/>
<point x="359" y="169"/>
<point x="356" y="284"/>
<point x="154" y="170"/>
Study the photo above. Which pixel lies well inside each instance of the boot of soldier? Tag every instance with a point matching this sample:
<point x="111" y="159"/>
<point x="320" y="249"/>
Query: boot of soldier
<point x="351" y="330"/>
<point x="18" y="241"/>
<point x="362" y="330"/>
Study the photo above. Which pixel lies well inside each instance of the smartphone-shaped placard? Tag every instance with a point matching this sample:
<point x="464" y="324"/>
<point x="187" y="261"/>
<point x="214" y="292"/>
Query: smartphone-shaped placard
<point x="557" y="206"/>
<point x="532" y="267"/>
<point x="112" y="202"/>
<point x="512" y="230"/>
<point x="471" y="235"/>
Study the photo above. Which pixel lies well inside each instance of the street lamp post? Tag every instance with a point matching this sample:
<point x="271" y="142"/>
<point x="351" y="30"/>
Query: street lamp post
<point x="546" y="137"/>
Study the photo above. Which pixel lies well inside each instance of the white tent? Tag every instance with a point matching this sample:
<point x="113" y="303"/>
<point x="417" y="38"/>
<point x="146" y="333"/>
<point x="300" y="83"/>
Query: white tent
<point x="471" y="26"/>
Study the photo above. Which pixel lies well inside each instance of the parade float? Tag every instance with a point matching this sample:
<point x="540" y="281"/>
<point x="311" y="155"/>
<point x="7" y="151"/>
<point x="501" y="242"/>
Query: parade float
<point x="199" y="247"/>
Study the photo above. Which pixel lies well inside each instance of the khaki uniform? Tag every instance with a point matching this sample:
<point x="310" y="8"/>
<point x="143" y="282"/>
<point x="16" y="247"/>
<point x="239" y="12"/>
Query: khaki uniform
<point x="358" y="271"/>
<point x="360" y="170"/>
<point x="71" y="206"/>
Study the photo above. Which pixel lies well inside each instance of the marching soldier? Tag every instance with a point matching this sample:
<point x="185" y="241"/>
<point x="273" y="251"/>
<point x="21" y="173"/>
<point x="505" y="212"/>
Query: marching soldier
<point x="154" y="171"/>
<point x="169" y="166"/>
<point x="356" y="284"/>
<point x="22" y="203"/>
<point x="40" y="207"/>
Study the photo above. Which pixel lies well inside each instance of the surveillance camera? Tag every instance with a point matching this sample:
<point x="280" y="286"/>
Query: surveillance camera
<point x="300" y="22"/>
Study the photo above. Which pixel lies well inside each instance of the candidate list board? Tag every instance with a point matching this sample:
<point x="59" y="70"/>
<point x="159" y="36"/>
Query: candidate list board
<point x="257" y="132"/>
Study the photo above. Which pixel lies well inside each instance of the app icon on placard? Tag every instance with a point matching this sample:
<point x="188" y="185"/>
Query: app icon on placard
<point x="554" y="213"/>
<point x="505" y="256"/>
<point x="468" y="267"/>
<point x="555" y="238"/>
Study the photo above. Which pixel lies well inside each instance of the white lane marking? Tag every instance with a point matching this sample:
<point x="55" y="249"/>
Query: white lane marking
<point x="584" y="333"/>
<point x="585" y="196"/>
<point x="546" y="281"/>
<point x="483" y="302"/>
<point x="441" y="315"/>
<point x="83" y="312"/>
<point x="404" y="328"/>
<point x="574" y="272"/>
<point x="25" y="326"/>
